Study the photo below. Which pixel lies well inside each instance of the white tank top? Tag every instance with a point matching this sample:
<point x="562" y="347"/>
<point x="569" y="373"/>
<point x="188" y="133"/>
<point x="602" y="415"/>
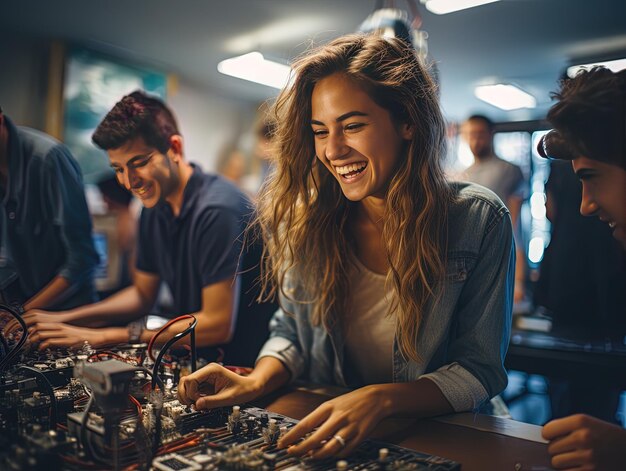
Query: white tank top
<point x="369" y="331"/>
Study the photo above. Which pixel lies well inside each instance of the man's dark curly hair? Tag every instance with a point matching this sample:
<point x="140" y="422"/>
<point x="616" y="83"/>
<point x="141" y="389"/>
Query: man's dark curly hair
<point x="137" y="115"/>
<point x="590" y="116"/>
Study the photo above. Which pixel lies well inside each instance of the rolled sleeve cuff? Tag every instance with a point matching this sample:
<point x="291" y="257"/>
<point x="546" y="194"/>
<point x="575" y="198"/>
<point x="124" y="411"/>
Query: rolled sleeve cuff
<point x="286" y="352"/>
<point x="71" y="276"/>
<point x="75" y="277"/>
<point x="462" y="390"/>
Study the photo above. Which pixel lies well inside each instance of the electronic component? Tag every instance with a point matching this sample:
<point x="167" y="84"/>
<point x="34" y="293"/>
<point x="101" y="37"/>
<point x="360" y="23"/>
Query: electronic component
<point x="108" y="416"/>
<point x="174" y="462"/>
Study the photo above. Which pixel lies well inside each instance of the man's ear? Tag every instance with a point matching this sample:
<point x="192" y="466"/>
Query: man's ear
<point x="176" y="147"/>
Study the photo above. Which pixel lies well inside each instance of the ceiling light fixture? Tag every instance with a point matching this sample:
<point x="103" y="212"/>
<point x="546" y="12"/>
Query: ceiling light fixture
<point x="614" y="66"/>
<point x="504" y="96"/>
<point x="256" y="68"/>
<point x="388" y="21"/>
<point x="441" y="7"/>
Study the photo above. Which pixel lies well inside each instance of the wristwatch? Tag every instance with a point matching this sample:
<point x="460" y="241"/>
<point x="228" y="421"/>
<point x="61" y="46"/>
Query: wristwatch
<point x="135" y="329"/>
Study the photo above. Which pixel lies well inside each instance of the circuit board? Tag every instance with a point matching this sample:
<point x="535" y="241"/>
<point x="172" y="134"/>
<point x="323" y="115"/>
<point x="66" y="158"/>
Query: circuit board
<point x="84" y="409"/>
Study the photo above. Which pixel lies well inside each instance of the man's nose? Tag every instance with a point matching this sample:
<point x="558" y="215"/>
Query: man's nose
<point x="129" y="179"/>
<point x="588" y="205"/>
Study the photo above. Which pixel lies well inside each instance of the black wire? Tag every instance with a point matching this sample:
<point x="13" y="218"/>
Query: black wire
<point x="172" y="341"/>
<point x="191" y="329"/>
<point x="14" y="312"/>
<point x="192" y="338"/>
<point x="49" y="391"/>
<point x="4" y="342"/>
<point x="154" y="377"/>
<point x="157" y="433"/>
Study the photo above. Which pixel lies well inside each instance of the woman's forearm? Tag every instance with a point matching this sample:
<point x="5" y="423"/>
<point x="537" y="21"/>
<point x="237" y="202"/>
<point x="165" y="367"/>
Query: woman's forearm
<point x="269" y="374"/>
<point x="421" y="398"/>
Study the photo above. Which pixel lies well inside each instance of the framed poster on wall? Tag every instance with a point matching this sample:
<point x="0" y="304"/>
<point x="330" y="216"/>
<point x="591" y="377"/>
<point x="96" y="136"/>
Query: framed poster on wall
<point x="94" y="82"/>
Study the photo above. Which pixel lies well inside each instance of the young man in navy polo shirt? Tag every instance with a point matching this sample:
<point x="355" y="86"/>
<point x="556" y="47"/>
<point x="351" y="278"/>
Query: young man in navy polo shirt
<point x="190" y="236"/>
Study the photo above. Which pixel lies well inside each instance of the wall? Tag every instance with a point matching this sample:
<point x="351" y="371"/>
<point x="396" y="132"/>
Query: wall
<point x="207" y="120"/>
<point x="23" y="79"/>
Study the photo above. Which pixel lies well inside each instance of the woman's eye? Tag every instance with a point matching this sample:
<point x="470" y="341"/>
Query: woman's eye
<point x="319" y="132"/>
<point x="354" y="126"/>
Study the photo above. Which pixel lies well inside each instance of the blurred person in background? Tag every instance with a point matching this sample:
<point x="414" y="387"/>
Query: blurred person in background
<point x="47" y="256"/>
<point x="264" y="146"/>
<point x="589" y="122"/>
<point x="232" y="165"/>
<point x="250" y="174"/>
<point x="503" y="178"/>
<point x="119" y="201"/>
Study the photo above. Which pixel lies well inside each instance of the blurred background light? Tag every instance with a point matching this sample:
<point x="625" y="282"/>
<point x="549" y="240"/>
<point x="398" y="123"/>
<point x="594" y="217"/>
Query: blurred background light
<point x="441" y="7"/>
<point x="255" y="68"/>
<point x="504" y="96"/>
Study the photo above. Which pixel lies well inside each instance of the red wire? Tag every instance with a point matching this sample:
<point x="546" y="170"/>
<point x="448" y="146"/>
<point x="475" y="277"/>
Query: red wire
<point x="109" y="354"/>
<point x="160" y="331"/>
<point x="136" y="402"/>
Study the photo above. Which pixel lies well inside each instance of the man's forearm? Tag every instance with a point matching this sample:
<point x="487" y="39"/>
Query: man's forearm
<point x="48" y="295"/>
<point x="124" y="306"/>
<point x="210" y="330"/>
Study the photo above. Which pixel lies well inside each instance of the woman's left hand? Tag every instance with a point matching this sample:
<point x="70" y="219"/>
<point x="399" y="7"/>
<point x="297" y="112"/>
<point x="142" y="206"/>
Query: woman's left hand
<point x="342" y="423"/>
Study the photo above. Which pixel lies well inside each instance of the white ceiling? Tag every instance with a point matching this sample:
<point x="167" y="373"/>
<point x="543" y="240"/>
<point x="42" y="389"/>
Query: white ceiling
<point x="526" y="42"/>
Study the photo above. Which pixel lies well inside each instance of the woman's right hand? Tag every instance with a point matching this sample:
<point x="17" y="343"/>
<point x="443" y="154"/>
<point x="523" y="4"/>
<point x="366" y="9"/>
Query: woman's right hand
<point x="215" y="386"/>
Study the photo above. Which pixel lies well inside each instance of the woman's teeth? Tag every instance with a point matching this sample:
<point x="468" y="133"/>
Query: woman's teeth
<point x="351" y="169"/>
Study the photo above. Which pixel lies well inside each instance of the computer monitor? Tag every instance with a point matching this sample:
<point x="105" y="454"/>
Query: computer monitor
<point x="109" y="271"/>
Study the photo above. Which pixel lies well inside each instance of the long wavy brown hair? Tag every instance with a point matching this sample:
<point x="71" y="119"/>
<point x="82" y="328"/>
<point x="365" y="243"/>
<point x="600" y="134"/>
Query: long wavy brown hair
<point x="304" y="217"/>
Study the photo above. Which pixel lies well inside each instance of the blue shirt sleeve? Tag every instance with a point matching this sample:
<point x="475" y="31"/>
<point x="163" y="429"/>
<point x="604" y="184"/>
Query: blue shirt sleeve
<point x="70" y="213"/>
<point x="484" y="318"/>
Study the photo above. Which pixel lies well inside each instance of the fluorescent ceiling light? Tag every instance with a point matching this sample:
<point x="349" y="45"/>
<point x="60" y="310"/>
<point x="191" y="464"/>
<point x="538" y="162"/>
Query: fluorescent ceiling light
<point x="505" y="97"/>
<point x="441" y="7"/>
<point x="255" y="68"/>
<point x="615" y="66"/>
<point x="292" y="29"/>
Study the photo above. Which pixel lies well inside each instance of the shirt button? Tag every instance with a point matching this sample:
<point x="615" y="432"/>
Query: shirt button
<point x="12" y="215"/>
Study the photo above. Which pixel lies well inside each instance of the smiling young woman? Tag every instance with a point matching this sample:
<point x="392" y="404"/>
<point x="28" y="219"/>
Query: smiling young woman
<point x="390" y="279"/>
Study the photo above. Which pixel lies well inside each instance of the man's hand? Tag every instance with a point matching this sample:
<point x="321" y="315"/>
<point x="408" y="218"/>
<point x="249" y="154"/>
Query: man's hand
<point x="582" y="442"/>
<point x="216" y="386"/>
<point x="57" y="335"/>
<point x="35" y="316"/>
<point x="342" y="423"/>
